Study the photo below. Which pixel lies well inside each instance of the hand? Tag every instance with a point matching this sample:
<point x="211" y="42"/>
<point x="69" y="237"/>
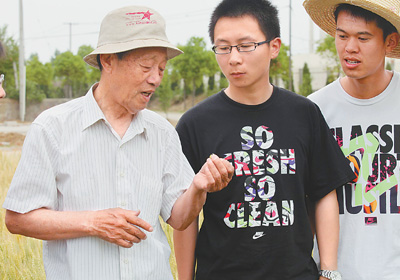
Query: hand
<point x="215" y="175"/>
<point x="119" y="226"/>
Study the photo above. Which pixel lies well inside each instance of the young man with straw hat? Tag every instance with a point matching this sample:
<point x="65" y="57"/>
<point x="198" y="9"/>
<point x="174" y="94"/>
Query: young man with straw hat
<point x="362" y="110"/>
<point x="258" y="228"/>
<point x="97" y="172"/>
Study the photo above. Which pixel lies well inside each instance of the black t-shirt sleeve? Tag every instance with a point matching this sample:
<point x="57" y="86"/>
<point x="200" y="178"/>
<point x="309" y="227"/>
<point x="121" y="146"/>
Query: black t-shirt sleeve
<point x="329" y="168"/>
<point x="188" y="141"/>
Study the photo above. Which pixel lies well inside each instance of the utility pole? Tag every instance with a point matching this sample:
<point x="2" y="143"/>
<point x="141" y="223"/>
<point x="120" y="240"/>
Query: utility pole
<point x="70" y="34"/>
<point x="290" y="47"/>
<point x="22" y="75"/>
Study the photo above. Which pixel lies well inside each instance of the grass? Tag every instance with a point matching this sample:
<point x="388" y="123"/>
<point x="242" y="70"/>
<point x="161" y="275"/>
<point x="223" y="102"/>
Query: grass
<point x="21" y="257"/>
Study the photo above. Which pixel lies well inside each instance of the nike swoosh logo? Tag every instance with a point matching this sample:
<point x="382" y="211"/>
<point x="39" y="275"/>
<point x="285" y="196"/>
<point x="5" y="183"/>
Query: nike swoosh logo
<point x="258" y="234"/>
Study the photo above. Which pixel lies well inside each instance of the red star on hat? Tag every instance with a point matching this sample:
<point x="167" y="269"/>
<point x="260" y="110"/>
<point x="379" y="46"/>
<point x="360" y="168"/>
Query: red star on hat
<point x="147" y="15"/>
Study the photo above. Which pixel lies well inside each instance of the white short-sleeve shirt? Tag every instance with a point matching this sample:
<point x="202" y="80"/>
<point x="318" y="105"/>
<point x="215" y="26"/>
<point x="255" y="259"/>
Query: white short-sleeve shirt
<point x="72" y="160"/>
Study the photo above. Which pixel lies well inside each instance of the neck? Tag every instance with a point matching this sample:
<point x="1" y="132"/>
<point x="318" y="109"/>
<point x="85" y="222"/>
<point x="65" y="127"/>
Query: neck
<point x="118" y="117"/>
<point x="250" y="96"/>
<point x="368" y="87"/>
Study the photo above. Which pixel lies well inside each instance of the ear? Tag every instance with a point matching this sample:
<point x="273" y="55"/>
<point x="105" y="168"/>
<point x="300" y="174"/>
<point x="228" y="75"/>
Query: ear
<point x="107" y="61"/>
<point x="275" y="46"/>
<point x="392" y="40"/>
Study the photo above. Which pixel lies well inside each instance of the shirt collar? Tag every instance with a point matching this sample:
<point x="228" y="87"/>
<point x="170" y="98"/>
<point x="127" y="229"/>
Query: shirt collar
<point x="92" y="114"/>
<point x="138" y="126"/>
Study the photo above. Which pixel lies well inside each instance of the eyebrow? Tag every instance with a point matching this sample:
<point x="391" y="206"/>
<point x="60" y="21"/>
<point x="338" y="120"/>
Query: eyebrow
<point x="359" y="33"/>
<point x="246" y="38"/>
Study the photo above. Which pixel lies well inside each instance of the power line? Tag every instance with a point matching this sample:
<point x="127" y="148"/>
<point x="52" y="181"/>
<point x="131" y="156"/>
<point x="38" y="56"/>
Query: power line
<point x="59" y="36"/>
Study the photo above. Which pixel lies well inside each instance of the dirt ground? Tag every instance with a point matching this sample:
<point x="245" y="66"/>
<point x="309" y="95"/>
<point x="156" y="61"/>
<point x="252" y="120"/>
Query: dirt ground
<point x="11" y="140"/>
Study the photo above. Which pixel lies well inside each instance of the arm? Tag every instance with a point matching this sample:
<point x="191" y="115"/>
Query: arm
<point x="117" y="226"/>
<point x="215" y="175"/>
<point x="184" y="245"/>
<point x="327" y="230"/>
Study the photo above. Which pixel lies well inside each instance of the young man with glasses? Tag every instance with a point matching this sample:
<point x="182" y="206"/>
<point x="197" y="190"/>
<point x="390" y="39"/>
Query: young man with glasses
<point x="283" y="153"/>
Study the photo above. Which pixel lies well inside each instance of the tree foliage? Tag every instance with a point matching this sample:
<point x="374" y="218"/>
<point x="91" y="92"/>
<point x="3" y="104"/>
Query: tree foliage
<point x="71" y="70"/>
<point x="9" y="63"/>
<point x="39" y="78"/>
<point x="93" y="74"/>
<point x="164" y="92"/>
<point x="196" y="62"/>
<point x="279" y="68"/>
<point x="305" y="88"/>
<point x="327" y="49"/>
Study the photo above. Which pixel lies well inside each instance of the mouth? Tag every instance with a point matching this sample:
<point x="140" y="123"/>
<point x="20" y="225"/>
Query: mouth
<point x="352" y="62"/>
<point x="146" y="93"/>
<point x="237" y="74"/>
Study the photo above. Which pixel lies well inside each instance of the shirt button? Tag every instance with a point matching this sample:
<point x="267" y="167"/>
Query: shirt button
<point x="123" y="203"/>
<point x="122" y="174"/>
<point x="126" y="261"/>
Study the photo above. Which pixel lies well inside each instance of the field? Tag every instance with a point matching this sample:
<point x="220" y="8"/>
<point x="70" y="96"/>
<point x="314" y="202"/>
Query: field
<point x="21" y="257"/>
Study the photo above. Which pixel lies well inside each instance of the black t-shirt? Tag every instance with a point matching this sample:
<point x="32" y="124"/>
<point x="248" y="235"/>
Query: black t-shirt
<point x="283" y="153"/>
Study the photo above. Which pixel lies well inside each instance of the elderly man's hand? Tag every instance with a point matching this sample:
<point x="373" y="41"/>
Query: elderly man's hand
<point x="119" y="226"/>
<point x="215" y="175"/>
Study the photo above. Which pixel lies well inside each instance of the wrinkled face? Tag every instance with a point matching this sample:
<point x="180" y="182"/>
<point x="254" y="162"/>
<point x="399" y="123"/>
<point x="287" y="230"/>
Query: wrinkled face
<point x="360" y="46"/>
<point x="136" y="77"/>
<point x="244" y="70"/>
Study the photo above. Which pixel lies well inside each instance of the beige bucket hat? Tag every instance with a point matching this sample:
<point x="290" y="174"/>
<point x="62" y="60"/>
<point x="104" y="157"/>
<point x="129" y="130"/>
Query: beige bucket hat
<point x="131" y="28"/>
<point x="322" y="13"/>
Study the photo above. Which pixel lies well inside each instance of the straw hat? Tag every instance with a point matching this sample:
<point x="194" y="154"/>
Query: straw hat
<point x="131" y="28"/>
<point x="322" y="13"/>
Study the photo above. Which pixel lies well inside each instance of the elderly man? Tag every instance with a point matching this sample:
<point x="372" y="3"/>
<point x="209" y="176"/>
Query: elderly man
<point x="97" y="172"/>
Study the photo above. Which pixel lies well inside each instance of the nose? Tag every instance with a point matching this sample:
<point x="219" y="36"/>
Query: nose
<point x="155" y="77"/>
<point x="235" y="57"/>
<point x="352" y="45"/>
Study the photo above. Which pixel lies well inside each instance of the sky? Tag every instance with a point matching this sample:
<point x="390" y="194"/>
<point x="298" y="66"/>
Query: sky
<point x="51" y="25"/>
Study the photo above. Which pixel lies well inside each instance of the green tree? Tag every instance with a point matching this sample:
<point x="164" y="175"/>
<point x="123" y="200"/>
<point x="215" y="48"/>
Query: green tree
<point x="279" y="67"/>
<point x="9" y="64"/>
<point x="196" y="62"/>
<point x="305" y="86"/>
<point x="326" y="48"/>
<point x="71" y="70"/>
<point x="223" y="81"/>
<point x="164" y="92"/>
<point x="39" y="79"/>
<point x="93" y="74"/>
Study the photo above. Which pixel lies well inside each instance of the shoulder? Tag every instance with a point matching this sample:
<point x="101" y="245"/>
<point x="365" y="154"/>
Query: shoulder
<point x="204" y="108"/>
<point x="153" y="119"/>
<point x="293" y="101"/>
<point x="324" y="94"/>
<point x="61" y="113"/>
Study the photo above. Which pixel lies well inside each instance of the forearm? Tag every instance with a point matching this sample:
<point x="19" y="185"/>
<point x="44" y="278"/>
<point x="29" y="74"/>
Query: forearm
<point x="184" y="245"/>
<point x="187" y="208"/>
<point x="119" y="226"/>
<point x="327" y="230"/>
<point x="215" y="175"/>
<point x="47" y="224"/>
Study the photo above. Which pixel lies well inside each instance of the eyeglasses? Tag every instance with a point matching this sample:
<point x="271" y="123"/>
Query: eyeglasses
<point x="244" y="47"/>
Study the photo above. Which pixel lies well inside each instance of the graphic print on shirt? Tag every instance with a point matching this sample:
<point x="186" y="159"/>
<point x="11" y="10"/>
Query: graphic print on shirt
<point x="374" y="154"/>
<point x="259" y="164"/>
